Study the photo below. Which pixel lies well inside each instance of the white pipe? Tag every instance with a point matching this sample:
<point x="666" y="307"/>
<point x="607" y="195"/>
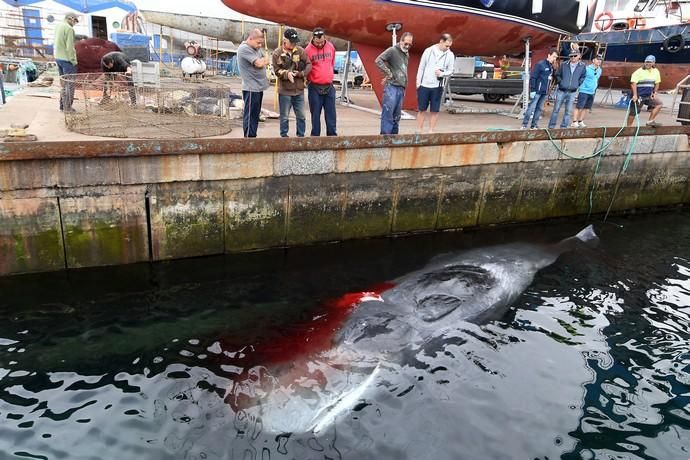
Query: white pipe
<point x="582" y="13"/>
<point x="537" y="6"/>
<point x="525" y="81"/>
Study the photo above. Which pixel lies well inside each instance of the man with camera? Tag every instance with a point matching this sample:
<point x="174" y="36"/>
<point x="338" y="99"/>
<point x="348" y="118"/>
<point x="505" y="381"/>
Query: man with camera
<point x="436" y="64"/>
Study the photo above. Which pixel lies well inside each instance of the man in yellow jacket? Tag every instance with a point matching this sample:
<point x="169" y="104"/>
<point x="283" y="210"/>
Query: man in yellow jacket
<point x="66" y="58"/>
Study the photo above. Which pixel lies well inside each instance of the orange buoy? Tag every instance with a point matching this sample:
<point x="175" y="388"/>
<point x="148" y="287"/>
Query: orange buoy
<point x="604" y="21"/>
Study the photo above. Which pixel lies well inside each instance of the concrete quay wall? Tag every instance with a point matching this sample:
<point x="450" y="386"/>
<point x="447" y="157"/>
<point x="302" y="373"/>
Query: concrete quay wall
<point x="93" y="203"/>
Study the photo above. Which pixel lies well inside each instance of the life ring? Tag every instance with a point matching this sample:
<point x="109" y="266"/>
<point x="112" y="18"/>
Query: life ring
<point x="637" y="23"/>
<point x="604" y="21"/>
<point x="674" y="43"/>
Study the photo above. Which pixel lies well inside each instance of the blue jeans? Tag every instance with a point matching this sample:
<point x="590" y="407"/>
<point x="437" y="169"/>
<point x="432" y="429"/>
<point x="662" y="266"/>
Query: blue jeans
<point x="534" y="110"/>
<point x="297" y="105"/>
<point x="67" y="87"/>
<point x="317" y="102"/>
<point x="252" y="110"/>
<point x="562" y="97"/>
<point x="392" y="105"/>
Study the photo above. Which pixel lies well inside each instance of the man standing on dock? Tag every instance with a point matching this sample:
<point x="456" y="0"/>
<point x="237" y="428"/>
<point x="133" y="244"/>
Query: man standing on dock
<point x="66" y="59"/>
<point x="588" y="88"/>
<point x="436" y="64"/>
<point x="393" y="63"/>
<point x="645" y="84"/>
<point x="291" y="66"/>
<point x="321" y="91"/>
<point x="569" y="76"/>
<point x="252" y="65"/>
<point x="539" y="86"/>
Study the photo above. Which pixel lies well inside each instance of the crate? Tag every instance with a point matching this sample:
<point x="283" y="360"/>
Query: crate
<point x="146" y="73"/>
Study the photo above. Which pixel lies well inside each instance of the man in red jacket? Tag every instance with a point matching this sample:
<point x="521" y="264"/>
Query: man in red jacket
<point x="320" y="91"/>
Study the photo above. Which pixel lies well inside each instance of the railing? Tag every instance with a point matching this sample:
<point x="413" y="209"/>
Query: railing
<point x="681" y="88"/>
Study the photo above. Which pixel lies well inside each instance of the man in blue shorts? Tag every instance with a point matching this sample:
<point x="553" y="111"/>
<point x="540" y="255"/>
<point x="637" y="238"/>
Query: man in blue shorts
<point x="588" y="88"/>
<point x="437" y="63"/>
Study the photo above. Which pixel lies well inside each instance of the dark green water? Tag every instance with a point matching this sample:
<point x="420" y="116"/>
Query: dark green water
<point x="156" y="362"/>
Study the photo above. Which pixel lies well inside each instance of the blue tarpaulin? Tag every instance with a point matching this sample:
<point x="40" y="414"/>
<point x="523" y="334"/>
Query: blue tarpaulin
<point x="83" y="6"/>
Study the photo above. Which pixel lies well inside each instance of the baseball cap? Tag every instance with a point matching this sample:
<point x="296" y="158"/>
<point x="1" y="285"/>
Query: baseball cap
<point x="574" y="53"/>
<point x="318" y="32"/>
<point x="650" y="58"/>
<point x="72" y="16"/>
<point x="291" y="34"/>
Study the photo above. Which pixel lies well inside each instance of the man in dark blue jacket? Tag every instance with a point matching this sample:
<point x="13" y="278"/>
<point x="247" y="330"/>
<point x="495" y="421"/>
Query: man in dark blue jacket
<point x="539" y="83"/>
<point x="569" y="76"/>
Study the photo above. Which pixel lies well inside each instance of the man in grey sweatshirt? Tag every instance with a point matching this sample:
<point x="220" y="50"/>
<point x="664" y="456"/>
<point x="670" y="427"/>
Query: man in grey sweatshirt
<point x="437" y="63"/>
<point x="393" y="63"/>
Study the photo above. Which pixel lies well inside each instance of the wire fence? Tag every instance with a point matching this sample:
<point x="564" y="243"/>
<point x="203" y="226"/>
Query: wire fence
<point x="116" y="105"/>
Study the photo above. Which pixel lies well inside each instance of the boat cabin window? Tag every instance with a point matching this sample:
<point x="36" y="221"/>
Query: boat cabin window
<point x="646" y="5"/>
<point x="643" y="4"/>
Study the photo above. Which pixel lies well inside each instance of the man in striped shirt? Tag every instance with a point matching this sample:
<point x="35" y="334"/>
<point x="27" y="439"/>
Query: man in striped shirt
<point x="645" y="83"/>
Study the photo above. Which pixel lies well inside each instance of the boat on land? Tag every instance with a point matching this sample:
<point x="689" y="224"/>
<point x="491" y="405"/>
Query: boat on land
<point x="234" y="30"/>
<point x="479" y="27"/>
<point x="640" y="28"/>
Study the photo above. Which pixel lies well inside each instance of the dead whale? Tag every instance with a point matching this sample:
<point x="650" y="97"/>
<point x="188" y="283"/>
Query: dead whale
<point x="308" y="393"/>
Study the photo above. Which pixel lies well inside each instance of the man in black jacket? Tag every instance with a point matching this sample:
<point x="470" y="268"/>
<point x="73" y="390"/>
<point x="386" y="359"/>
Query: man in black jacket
<point x="117" y="62"/>
<point x="569" y="76"/>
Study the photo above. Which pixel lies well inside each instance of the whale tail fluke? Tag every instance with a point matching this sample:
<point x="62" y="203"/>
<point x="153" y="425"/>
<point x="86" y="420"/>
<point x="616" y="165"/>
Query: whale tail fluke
<point x="588" y="236"/>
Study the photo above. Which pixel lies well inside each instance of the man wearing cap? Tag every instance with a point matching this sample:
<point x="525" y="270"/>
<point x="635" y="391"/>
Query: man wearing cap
<point x="66" y="58"/>
<point x="393" y="64"/>
<point x="252" y="65"/>
<point x="645" y="83"/>
<point x="291" y="66"/>
<point x="320" y="91"/>
<point x="569" y="76"/>
<point x="588" y="88"/>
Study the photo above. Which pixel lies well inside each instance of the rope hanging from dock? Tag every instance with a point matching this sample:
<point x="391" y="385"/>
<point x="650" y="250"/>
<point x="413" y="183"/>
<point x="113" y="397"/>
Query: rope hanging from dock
<point x="601" y="152"/>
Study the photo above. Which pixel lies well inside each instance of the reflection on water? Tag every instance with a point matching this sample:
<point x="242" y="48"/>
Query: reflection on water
<point x="227" y="357"/>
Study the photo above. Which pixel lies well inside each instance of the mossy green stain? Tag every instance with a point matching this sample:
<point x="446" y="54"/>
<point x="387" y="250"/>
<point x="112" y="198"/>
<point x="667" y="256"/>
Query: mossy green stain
<point x="19" y="245"/>
<point x="103" y="245"/>
<point x="363" y="220"/>
<point x="191" y="236"/>
<point x="262" y="234"/>
<point x="41" y="251"/>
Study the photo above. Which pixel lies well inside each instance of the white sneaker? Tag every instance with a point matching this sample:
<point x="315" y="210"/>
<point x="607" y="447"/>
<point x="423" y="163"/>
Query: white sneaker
<point x="582" y="124"/>
<point x="576" y="124"/>
<point x="522" y="128"/>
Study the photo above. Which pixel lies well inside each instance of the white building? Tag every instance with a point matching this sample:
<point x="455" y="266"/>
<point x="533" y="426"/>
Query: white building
<point x="28" y="26"/>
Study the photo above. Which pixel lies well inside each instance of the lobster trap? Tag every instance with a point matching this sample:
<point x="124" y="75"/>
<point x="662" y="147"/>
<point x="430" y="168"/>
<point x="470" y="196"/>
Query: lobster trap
<point x="117" y="105"/>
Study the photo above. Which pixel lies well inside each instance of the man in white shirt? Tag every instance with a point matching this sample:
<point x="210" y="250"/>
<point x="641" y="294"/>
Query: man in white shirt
<point x="437" y="63"/>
